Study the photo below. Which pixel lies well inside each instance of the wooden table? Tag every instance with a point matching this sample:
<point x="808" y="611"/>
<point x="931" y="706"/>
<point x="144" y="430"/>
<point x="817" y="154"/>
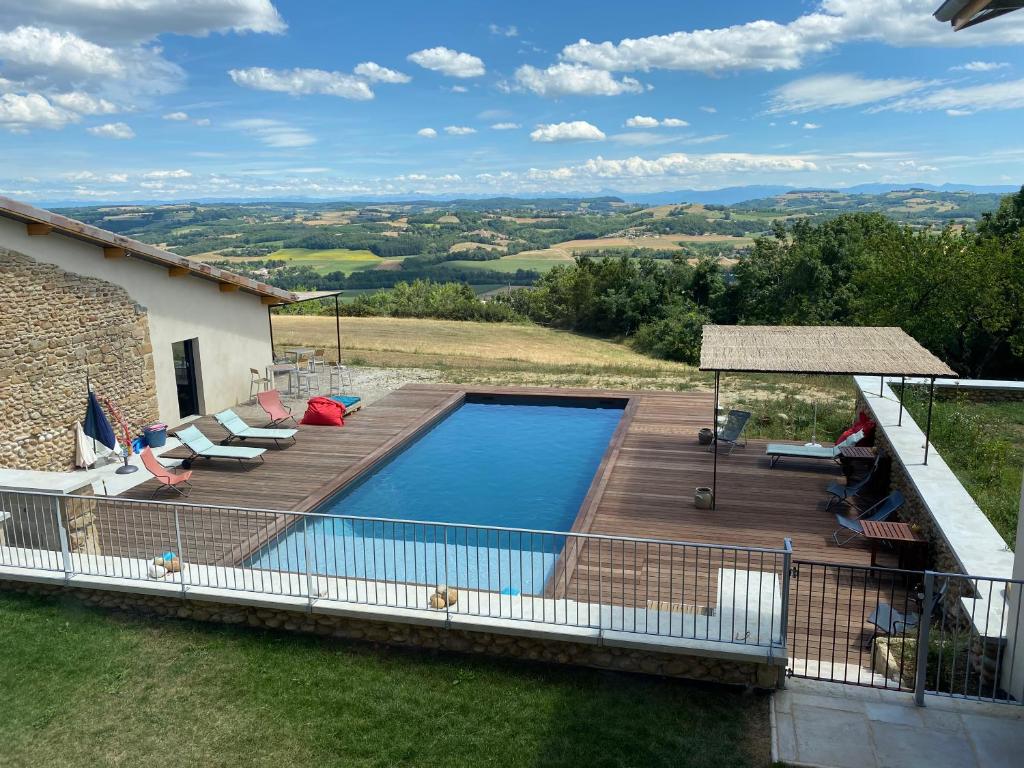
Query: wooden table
<point x="900" y="534"/>
<point x="856" y="462"/>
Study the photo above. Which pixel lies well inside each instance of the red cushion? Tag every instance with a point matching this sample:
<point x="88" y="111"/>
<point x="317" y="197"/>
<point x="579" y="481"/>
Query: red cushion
<point x="323" y="412"/>
<point x="869" y="433"/>
<point x="863" y="422"/>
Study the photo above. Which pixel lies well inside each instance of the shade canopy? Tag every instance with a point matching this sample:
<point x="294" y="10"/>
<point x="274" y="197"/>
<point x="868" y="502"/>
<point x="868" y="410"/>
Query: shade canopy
<point x="811" y="349"/>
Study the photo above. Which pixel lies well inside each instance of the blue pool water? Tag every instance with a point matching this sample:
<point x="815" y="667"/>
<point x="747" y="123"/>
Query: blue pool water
<point x="500" y="464"/>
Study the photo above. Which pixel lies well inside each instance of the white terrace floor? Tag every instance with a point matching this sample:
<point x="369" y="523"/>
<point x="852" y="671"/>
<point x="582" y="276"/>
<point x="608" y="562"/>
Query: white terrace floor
<point x="829" y="725"/>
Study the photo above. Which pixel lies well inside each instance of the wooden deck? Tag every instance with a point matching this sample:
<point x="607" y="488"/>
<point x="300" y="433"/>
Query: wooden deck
<point x="644" y="489"/>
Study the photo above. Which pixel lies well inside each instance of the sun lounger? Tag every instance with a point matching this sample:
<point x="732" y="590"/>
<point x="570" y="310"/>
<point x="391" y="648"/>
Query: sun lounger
<point x="777" y="451"/>
<point x="887" y="620"/>
<point x="270" y="402"/>
<point x="730" y="432"/>
<point x="168" y="478"/>
<point x="843" y="494"/>
<point x="203" y="448"/>
<point x="239" y="430"/>
<point x="881" y="511"/>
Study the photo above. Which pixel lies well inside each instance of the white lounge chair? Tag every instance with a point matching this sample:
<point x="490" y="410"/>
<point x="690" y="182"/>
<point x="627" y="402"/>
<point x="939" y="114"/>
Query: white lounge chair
<point x="239" y="430"/>
<point x="203" y="448"/>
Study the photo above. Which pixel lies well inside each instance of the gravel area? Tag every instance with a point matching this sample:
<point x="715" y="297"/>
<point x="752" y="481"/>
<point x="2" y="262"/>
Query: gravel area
<point x="371" y="384"/>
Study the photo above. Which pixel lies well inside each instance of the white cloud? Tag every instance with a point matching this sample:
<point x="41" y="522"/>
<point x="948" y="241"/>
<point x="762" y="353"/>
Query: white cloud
<point x="303" y="81"/>
<point x="176" y="116"/>
<point x="19" y="113"/>
<point x="140" y="20"/>
<point x="459" y="130"/>
<point x="836" y="91"/>
<point x="275" y="133"/>
<point x="112" y="131"/>
<point x="375" y="73"/>
<point x="80" y="176"/>
<point x="84" y="103"/>
<point x="179" y="173"/>
<point x="980" y="66"/>
<point x="643" y="121"/>
<point x="505" y="126"/>
<point x="573" y="80"/>
<point x="962" y="101"/>
<point x="577" y="130"/>
<point x="509" y="31"/>
<point x="769" y="45"/>
<point x="811" y="126"/>
<point x="709" y="110"/>
<point x="202" y="121"/>
<point x="459" y="89"/>
<point x="675" y="164"/>
<point x="448" y="62"/>
<point x="31" y="49"/>
<point x="427" y="133"/>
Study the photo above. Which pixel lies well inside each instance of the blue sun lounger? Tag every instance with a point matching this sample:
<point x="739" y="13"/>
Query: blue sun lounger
<point x="777" y="451"/>
<point x="880" y="512"/>
<point x="203" y="448"/>
<point x="239" y="430"/>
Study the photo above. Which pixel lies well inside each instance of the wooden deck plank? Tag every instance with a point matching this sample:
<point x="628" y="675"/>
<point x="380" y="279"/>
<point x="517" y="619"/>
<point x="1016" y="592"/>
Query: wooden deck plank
<point x="646" y="490"/>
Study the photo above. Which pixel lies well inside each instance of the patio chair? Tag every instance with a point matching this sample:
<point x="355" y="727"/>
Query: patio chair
<point x="730" y="432"/>
<point x="168" y="478"/>
<point x="239" y="430"/>
<point x="843" y="494"/>
<point x="778" y="451"/>
<point x="306" y="375"/>
<point x="203" y="448"/>
<point x="257" y="382"/>
<point x="876" y="513"/>
<point x="320" y="356"/>
<point x="270" y="402"/>
<point x="340" y="379"/>
<point x="888" y="621"/>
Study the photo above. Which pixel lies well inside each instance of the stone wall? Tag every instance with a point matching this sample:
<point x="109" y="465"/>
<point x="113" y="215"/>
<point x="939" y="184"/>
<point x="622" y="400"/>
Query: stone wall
<point x="54" y="327"/>
<point x="750" y="674"/>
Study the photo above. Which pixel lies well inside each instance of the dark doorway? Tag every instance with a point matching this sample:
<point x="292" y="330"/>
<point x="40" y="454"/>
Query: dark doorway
<point x="185" y="377"/>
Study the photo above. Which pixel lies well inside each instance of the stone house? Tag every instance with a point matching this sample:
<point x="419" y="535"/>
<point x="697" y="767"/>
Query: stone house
<point x="163" y="337"/>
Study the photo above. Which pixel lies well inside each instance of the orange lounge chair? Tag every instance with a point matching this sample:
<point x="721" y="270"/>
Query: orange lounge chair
<point x="270" y="401"/>
<point x="168" y="477"/>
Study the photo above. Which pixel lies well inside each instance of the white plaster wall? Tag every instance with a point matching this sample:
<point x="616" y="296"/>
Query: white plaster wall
<point x="232" y="328"/>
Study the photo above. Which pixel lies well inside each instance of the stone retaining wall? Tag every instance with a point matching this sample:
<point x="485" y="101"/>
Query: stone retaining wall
<point x="703" y="668"/>
<point x="54" y="327"/>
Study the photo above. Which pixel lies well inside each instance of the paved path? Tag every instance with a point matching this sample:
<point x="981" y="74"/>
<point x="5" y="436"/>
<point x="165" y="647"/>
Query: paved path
<point x="829" y="725"/>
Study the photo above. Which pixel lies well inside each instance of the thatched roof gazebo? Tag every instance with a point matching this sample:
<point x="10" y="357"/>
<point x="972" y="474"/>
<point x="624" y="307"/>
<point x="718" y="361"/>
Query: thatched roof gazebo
<point x="819" y="350"/>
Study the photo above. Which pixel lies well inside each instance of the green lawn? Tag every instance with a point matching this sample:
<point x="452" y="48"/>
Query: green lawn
<point x="82" y="687"/>
<point x="983" y="443"/>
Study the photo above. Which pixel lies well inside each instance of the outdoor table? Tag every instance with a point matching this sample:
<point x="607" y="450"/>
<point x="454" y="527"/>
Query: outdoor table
<point x="273" y="370"/>
<point x="856" y="462"/>
<point x="298" y="352"/>
<point x="899" y="534"/>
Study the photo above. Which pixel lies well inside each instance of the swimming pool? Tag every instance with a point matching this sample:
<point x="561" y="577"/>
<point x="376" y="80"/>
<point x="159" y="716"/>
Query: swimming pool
<point x="523" y="462"/>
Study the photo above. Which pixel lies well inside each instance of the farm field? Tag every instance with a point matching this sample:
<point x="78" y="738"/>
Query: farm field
<point x="332" y="259"/>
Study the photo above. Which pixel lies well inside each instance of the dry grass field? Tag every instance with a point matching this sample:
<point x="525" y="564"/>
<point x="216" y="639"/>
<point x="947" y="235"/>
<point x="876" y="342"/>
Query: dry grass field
<point x="456" y="344"/>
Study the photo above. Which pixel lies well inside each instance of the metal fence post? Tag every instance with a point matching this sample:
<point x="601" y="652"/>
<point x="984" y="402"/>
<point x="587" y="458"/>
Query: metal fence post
<point x="309" y="576"/>
<point x="924" y="628"/>
<point x="181" y="552"/>
<point x="62" y="534"/>
<point x="787" y="568"/>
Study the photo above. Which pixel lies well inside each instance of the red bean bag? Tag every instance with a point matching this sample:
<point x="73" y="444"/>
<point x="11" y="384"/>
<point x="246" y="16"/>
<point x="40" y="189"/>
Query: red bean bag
<point x="324" y="412"/>
<point x="862" y="424"/>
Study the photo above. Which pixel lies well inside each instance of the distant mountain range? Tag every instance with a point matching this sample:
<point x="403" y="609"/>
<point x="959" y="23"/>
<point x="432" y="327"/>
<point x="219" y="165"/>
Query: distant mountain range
<point x="723" y="196"/>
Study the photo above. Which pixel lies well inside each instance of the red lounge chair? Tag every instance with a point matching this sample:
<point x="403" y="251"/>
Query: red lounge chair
<point x="270" y="401"/>
<point x="168" y="477"/>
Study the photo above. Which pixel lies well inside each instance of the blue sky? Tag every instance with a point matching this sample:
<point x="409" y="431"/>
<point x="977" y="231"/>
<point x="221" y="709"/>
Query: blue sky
<point x="253" y="98"/>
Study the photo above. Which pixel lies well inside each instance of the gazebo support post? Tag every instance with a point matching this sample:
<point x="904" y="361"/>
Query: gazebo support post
<point x="337" y="325"/>
<point x="928" y="429"/>
<point x="903" y="391"/>
<point x="714" y="445"/>
<point x="881" y="386"/>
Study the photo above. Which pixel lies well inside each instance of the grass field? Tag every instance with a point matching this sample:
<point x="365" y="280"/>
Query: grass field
<point x="983" y="443"/>
<point x="84" y="688"/>
<point x="331" y="260"/>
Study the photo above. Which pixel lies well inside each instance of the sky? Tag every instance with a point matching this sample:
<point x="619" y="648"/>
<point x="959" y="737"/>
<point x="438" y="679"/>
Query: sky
<point x="129" y="100"/>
